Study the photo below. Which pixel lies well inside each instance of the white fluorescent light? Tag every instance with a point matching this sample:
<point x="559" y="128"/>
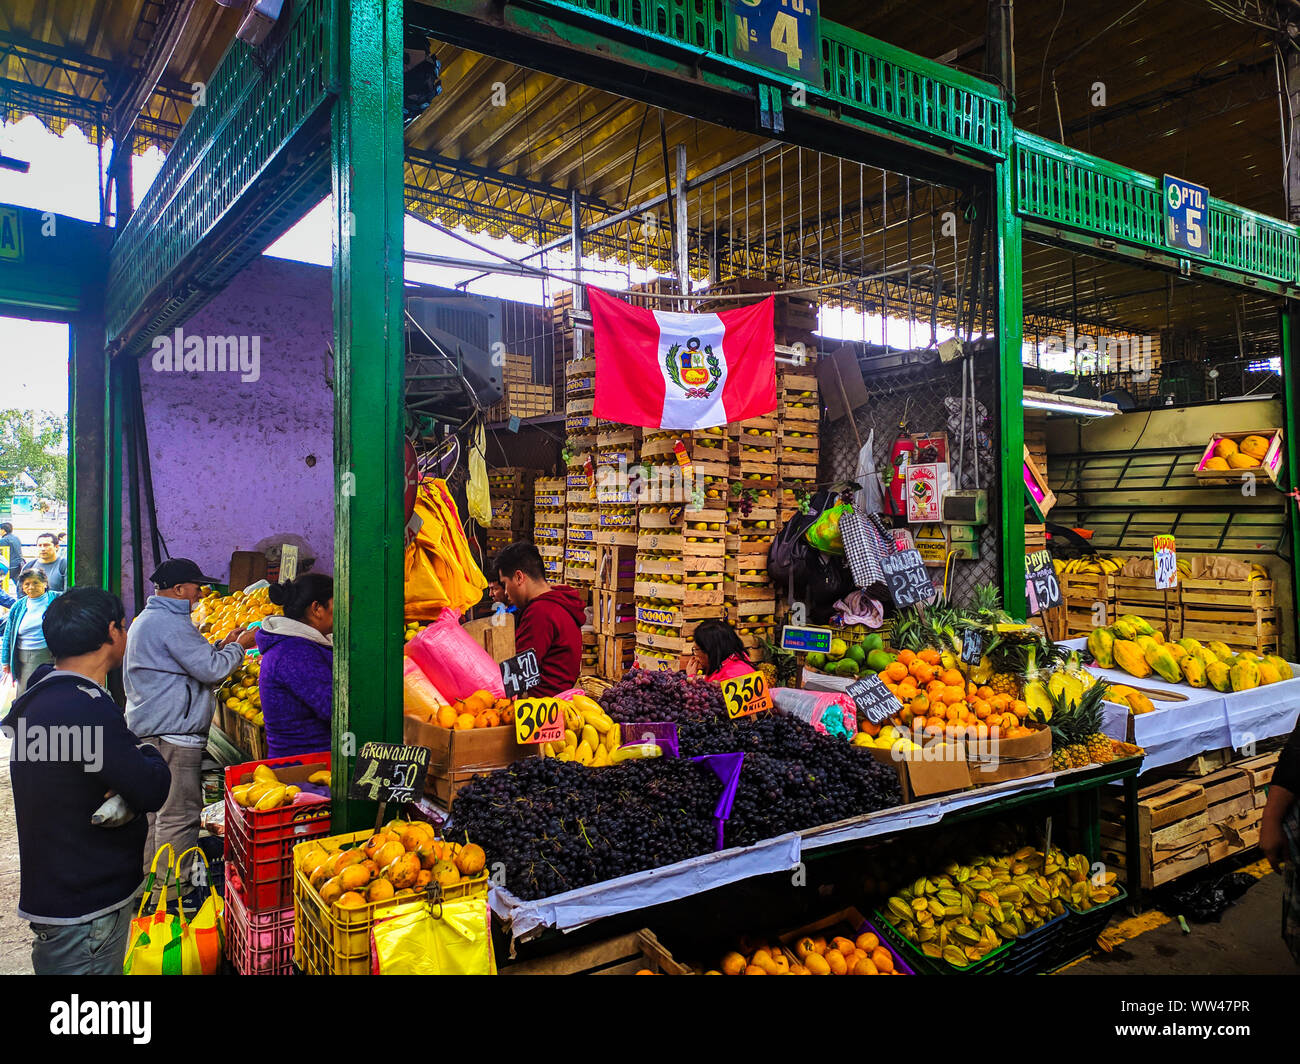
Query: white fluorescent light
<point x="1059" y="404"/>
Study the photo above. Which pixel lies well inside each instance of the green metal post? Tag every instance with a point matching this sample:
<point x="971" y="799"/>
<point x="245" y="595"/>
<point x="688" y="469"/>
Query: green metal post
<point x="87" y="439"/>
<point x="369" y="515"/>
<point x="1011" y="387"/>
<point x="1290" y="338"/>
<point x="112" y="546"/>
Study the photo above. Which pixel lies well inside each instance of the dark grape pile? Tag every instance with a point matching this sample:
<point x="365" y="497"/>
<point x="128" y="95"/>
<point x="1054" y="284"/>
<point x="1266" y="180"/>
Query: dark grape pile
<point x="558" y="825"/>
<point x="645" y="694"/>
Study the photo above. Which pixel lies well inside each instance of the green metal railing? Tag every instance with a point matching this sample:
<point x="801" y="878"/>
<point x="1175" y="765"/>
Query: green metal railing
<point x="1065" y="187"/>
<point x="254" y="107"/>
<point x="697" y="23"/>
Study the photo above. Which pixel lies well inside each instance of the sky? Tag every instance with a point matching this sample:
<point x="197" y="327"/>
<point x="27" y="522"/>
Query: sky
<point x="34" y="355"/>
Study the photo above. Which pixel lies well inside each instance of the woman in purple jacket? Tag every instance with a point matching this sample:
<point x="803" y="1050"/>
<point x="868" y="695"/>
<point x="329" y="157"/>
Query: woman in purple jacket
<point x="297" y="675"/>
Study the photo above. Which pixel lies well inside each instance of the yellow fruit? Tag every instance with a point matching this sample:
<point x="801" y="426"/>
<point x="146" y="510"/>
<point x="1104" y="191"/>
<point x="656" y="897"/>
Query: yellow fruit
<point x="1217" y="463"/>
<point x="380" y="890"/>
<point x="1130" y="657"/>
<point x="1268" y="673"/>
<point x="1219" y="675"/>
<point x="1244" y="675"/>
<point x="445" y="874"/>
<point x="331" y="891"/>
<point x="1243" y="461"/>
<point x="240" y="793"/>
<point x="322" y="777"/>
<point x="354" y="877"/>
<point x="403" y="871"/>
<point x="817" y="964"/>
<point x="343" y="858"/>
<point x="350" y="900"/>
<point x="733" y="964"/>
<point x="865" y="966"/>
<point x="264" y="774"/>
<point x="836" y="962"/>
<point x="272" y="799"/>
<point x="1225" y="448"/>
<point x="1254" y="446"/>
<point x="470" y="860"/>
<point x="377" y="842"/>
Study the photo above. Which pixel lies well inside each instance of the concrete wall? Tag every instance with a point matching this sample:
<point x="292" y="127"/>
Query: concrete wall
<point x="239" y="465"/>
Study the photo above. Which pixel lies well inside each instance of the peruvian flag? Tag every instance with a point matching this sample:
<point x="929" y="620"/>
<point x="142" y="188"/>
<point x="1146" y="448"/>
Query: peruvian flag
<point x="682" y="371"/>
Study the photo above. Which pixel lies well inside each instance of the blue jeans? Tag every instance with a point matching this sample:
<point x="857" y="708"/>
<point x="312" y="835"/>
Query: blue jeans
<point x="97" y="947"/>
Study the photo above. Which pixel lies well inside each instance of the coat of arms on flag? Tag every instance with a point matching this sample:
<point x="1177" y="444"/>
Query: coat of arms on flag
<point x="660" y="369"/>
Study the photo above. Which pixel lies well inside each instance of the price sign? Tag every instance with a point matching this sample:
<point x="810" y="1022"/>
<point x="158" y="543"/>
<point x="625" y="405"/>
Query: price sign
<point x="1187" y="207"/>
<point x="781" y="35"/>
<point x="972" y="646"/>
<point x="1165" y="553"/>
<point x="538" y="720"/>
<point x="806" y="639"/>
<point x="386" y="772"/>
<point x="746" y="695"/>
<point x="520" y="674"/>
<point x="873" y="699"/>
<point x="1042" y="589"/>
<point x="908" y="579"/>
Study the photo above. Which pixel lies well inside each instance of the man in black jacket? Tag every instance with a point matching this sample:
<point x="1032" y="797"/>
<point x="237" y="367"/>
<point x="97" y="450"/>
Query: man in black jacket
<point x="71" y="750"/>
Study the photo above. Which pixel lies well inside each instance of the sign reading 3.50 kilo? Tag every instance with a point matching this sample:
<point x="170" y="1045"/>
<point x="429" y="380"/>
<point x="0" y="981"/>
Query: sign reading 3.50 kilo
<point x="746" y="695"/>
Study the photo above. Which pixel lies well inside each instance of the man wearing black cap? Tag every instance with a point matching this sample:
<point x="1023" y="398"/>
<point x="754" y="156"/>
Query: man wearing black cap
<point x="169" y="675"/>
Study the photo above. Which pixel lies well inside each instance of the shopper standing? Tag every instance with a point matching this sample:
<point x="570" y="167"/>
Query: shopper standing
<point x="49" y="562"/>
<point x="77" y="881"/>
<point x="550" y="618"/>
<point x="1279" y="836"/>
<point x="8" y="539"/>
<point x="296" y="679"/>
<point x="169" y="674"/>
<point x="24" y="646"/>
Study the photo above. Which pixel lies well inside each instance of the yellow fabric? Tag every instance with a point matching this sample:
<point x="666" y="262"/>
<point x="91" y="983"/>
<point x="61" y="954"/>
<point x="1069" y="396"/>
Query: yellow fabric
<point x="449" y="938"/>
<point x="161" y="943"/>
<point x="478" y="499"/>
<point x="440" y="570"/>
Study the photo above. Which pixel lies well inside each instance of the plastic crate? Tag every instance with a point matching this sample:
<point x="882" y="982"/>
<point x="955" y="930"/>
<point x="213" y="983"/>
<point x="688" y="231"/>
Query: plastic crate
<point x="259" y="845"/>
<point x="923" y="965"/>
<point x="1082" y="928"/>
<point x="333" y="941"/>
<point x="257" y="943"/>
<point x="1033" y="953"/>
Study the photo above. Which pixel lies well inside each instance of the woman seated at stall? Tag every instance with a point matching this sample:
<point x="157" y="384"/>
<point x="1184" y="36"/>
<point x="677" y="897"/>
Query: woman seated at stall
<point x="296" y="680"/>
<point x="719" y="653"/>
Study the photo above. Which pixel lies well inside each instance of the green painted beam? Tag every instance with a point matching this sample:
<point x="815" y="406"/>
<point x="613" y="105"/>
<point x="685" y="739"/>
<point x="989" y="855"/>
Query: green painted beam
<point x="1289" y="325"/>
<point x="1009" y="280"/>
<point x="369" y="516"/>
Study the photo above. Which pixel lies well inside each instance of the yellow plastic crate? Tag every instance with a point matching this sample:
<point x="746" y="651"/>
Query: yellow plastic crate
<point x="331" y="941"/>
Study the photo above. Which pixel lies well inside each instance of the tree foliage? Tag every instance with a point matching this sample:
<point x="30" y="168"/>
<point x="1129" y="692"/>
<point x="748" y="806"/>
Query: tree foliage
<point x="35" y="443"/>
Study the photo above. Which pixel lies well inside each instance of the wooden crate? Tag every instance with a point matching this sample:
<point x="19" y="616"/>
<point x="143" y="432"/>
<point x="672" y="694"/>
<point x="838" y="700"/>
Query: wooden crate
<point x="622" y="955"/>
<point x="613" y="612"/>
<point x="1139" y="595"/>
<point x="512" y="482"/>
<point x="1035" y="538"/>
<point x="616" y="654"/>
<point x="615" y="566"/>
<point x="579" y="377"/>
<point x="798" y="398"/>
<point x="1240" y="613"/>
<point x="660" y="661"/>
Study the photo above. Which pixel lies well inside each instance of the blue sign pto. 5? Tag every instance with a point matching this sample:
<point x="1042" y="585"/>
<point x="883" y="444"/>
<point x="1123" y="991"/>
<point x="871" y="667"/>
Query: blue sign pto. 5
<point x="1187" y="209"/>
<point x="781" y="35"/>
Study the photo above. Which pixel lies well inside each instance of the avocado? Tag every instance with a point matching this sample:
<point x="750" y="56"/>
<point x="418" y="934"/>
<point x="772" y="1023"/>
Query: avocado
<point x="816" y="660"/>
<point x="857" y="654"/>
<point x="879" y="660"/>
<point x="846" y="667"/>
<point x="874" y="641"/>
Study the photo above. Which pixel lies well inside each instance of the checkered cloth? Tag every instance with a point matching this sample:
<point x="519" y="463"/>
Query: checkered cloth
<point x="864" y="545"/>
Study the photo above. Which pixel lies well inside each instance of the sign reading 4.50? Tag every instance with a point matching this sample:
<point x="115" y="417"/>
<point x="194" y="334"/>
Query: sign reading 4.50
<point x="538" y="720"/>
<point x="746" y="695"/>
<point x="781" y="35"/>
<point x="1165" y="554"/>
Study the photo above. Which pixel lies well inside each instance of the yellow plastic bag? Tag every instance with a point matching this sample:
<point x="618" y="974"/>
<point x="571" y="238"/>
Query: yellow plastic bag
<point x="440" y="570"/>
<point x="162" y="943"/>
<point x="209" y="924"/>
<point x="445" y="938"/>
<point x="477" y="497"/>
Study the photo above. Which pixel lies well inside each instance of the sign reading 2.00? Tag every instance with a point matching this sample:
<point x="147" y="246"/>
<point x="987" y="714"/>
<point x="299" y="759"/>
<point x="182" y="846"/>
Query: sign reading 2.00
<point x="1187" y="207"/>
<point x="781" y="35"/>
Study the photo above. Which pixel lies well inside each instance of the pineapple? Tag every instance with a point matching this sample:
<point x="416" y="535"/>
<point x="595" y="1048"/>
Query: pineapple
<point x="1077" y="739"/>
<point x="1089" y="714"/>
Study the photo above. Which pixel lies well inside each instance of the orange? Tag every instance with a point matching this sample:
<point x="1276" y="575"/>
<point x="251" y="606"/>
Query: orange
<point x="953" y="678"/>
<point x="835" y="961"/>
<point x="446" y="717"/>
<point x="871" y="729"/>
<point x="464" y="722"/>
<point x="929" y="655"/>
<point x="868" y="943"/>
<point x="865" y="967"/>
<point x="985" y="692"/>
<point x="906" y="657"/>
<point x="919" y="670"/>
<point x="896" y="671"/>
<point x="951" y="696"/>
<point x="882" y="959"/>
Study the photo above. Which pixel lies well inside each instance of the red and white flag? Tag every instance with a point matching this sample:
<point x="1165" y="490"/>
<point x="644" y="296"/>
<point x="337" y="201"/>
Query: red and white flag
<point x="682" y="371"/>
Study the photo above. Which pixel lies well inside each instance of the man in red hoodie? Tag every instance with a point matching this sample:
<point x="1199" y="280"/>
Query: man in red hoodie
<point x="550" y="618"/>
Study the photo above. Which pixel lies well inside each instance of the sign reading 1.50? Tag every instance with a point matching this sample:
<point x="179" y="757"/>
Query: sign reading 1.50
<point x="781" y="35"/>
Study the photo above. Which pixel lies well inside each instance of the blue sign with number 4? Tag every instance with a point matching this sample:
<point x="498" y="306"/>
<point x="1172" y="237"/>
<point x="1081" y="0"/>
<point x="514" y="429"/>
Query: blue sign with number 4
<point x="781" y="35"/>
<point x="1187" y="209"/>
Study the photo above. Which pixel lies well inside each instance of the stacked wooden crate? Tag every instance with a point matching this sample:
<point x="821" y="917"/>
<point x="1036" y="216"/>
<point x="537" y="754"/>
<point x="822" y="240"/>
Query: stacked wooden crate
<point x="1188" y="823"/>
<point x="1242" y="614"/>
<point x="681" y="542"/>
<point x="521" y="397"/>
<point x="752" y="522"/>
<point x="569" y="345"/>
<point x="799" y="416"/>
<point x="1139" y="595"/>
<point x="614" y="608"/>
<point x="549" y="524"/>
<point x="511" y="490"/>
<point x="1089" y="602"/>
<point x="582" y="521"/>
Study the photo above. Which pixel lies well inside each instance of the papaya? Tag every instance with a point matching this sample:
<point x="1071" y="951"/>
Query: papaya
<point x="1254" y="446"/>
<point x="1177" y="652"/>
<point x="1205" y="657"/>
<point x="1220" y="650"/>
<point x="1219" y="676"/>
<point x="1193" y="669"/>
<point x="1243" y="461"/>
<point x="1284" y="670"/>
<point x="1139" y="703"/>
<point x="1244" y="675"/>
<point x="1268" y="673"/>
<point x="1159" y="658"/>
<point x="1145" y="642"/>
<point x="1225" y="448"/>
<point x="1101" y="645"/>
<point x="1217" y="463"/>
<point x="1140" y="626"/>
<point x="1131" y="658"/>
<point x="1124" y="630"/>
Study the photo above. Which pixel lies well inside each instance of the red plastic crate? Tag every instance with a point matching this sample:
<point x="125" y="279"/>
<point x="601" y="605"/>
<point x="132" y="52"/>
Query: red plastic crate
<point x="259" y="845"/>
<point x="257" y="943"/>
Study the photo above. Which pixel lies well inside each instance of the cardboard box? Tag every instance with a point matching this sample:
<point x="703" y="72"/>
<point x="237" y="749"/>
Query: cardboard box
<point x="938" y="768"/>
<point x="1011" y="759"/>
<point x="246" y="567"/>
<point x="457" y="756"/>
<point x="497" y="640"/>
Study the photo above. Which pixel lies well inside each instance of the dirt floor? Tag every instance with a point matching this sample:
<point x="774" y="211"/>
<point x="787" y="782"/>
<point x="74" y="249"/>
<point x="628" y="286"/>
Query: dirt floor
<point x="1246" y="942"/>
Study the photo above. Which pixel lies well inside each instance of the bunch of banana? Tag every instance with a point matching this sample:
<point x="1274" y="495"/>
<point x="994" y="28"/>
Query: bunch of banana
<point x="265" y="791"/>
<point x="1096" y="564"/>
<point x="591" y="738"/>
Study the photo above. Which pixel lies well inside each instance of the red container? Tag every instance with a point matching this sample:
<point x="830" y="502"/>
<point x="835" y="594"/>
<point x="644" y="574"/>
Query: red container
<point x="257" y="943"/>
<point x="259" y="845"/>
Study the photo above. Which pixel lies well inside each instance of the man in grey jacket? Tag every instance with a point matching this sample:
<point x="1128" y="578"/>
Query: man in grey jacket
<point x="169" y="675"/>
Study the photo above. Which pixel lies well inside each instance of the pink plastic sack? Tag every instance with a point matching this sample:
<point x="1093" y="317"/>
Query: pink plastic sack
<point x="419" y="697"/>
<point x="453" y="660"/>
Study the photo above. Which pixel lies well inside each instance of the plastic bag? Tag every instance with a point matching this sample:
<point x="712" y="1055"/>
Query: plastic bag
<point x="453" y="660"/>
<point x="868" y="499"/>
<point x="825" y="531"/>
<point x="478" y="501"/>
<point x="1207" y="900"/>
<point x="446" y="938"/>
<point x="8" y="692"/>
<point x="827" y="712"/>
<point x="420" y="698"/>
<point x="440" y="570"/>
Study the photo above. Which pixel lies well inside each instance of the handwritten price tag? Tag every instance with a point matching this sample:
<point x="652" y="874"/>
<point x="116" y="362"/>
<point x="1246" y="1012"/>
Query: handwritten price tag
<point x="520" y="673"/>
<point x="386" y="772"/>
<point x="746" y="695"/>
<point x="1165" y="553"/>
<point x="538" y="720"/>
<point x="1042" y="589"/>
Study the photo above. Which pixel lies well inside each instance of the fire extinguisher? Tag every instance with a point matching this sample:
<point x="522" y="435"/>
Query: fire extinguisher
<point x="899" y="458"/>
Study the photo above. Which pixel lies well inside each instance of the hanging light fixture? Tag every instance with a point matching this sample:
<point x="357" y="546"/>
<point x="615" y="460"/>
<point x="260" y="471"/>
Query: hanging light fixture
<point x="1068" y="404"/>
